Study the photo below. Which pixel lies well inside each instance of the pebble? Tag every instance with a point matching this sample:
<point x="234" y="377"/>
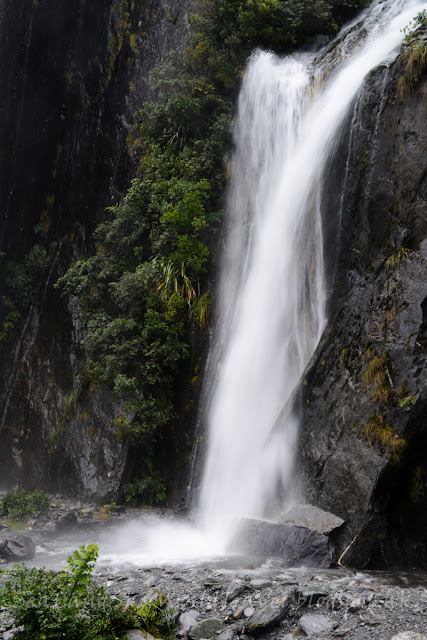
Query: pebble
<point x="312" y="624"/>
<point x="355" y="605"/>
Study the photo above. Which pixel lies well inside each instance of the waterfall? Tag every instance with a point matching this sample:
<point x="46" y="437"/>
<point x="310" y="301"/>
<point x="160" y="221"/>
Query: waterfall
<point x="272" y="293"/>
<point x="271" y="310"/>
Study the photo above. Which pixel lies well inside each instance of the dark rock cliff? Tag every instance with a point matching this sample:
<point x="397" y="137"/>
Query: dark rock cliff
<point x="363" y="396"/>
<point x="72" y="74"/>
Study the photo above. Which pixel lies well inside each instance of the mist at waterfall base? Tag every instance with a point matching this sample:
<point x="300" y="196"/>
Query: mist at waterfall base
<point x="271" y="308"/>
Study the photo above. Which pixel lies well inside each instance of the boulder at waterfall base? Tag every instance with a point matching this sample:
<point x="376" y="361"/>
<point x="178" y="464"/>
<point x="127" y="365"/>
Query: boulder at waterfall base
<point x="295" y="545"/>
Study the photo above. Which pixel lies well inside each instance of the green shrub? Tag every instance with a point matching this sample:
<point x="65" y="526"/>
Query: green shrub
<point x="149" y="491"/>
<point x="67" y="604"/>
<point x="21" y="504"/>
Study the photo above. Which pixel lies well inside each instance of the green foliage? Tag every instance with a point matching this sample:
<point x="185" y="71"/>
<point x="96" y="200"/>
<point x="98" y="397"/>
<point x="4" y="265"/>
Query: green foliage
<point x="24" y="279"/>
<point x="156" y="619"/>
<point x="67" y="604"/>
<point x="149" y="491"/>
<point x="396" y="258"/>
<point x="23" y="283"/>
<point x="415" y="54"/>
<point x="377" y="374"/>
<point x="200" y="310"/>
<point x="21" y="504"/>
<point x="225" y="32"/>
<point x="380" y="432"/>
<point x="407" y="402"/>
<point x="12" y="317"/>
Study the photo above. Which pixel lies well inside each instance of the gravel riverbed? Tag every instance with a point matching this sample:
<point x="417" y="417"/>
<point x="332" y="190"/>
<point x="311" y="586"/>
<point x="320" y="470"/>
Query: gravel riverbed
<point x="230" y="597"/>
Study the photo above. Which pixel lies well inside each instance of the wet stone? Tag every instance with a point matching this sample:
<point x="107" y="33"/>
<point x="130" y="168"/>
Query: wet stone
<point x="67" y="521"/>
<point x="309" y="595"/>
<point x="213" y="584"/>
<point x="234" y="589"/>
<point x="17" y="550"/>
<point x="188" y="619"/>
<point x="269" y="616"/>
<point x="206" y="628"/>
<point x="371" y="619"/>
<point x="313" y="624"/>
<point x="227" y="634"/>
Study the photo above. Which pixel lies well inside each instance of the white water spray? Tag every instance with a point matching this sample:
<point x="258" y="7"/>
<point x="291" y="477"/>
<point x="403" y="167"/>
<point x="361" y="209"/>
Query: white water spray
<point x="272" y="302"/>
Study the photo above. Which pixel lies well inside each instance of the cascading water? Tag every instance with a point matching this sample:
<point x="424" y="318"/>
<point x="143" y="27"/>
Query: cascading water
<point x="272" y="294"/>
<point x="272" y="300"/>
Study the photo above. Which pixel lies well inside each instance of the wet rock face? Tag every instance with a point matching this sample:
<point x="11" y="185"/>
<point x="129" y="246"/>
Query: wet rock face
<point x="362" y="434"/>
<point x="295" y="545"/>
<point x="70" y="85"/>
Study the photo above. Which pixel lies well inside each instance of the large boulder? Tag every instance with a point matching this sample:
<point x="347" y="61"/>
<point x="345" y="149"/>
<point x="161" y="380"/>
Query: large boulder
<point x="295" y="545"/>
<point x="17" y="550"/>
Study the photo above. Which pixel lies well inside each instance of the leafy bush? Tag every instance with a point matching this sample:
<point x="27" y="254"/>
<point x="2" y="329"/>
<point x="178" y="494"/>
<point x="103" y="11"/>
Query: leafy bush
<point x="24" y="504"/>
<point x="68" y="605"/>
<point x="149" y="491"/>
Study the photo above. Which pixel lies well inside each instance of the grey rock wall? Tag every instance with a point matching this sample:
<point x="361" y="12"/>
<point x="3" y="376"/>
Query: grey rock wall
<point x="349" y="469"/>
